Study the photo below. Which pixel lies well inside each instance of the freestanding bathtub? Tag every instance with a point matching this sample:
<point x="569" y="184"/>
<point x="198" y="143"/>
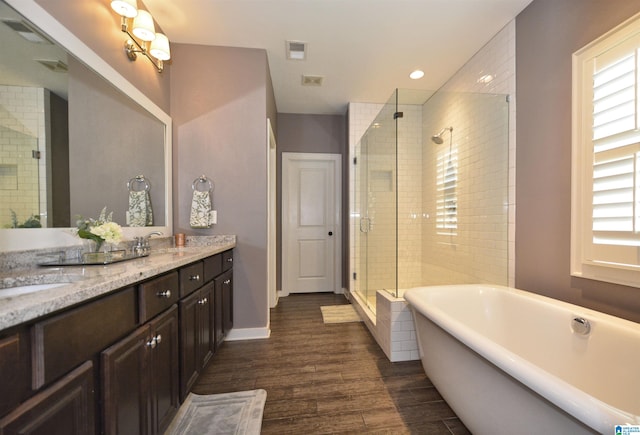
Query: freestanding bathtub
<point x="513" y="362"/>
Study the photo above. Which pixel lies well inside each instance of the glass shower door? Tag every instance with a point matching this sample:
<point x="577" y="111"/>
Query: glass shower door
<point x="376" y="180"/>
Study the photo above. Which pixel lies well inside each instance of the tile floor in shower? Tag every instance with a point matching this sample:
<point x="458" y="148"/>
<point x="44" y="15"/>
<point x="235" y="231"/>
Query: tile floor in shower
<point x="328" y="378"/>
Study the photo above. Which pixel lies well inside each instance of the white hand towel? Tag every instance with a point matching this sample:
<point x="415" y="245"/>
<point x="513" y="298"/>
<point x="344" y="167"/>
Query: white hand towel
<point x="200" y="208"/>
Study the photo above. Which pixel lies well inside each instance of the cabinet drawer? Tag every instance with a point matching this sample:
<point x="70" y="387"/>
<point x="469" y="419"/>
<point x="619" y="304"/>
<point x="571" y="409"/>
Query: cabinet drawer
<point x="212" y="267"/>
<point x="157" y="295"/>
<point x="227" y="260"/>
<point x="62" y="342"/>
<point x="191" y="278"/>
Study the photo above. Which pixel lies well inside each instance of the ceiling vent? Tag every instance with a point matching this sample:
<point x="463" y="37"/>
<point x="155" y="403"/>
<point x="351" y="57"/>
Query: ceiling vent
<point x="26" y="31"/>
<point x="296" y="50"/>
<point x="312" y="80"/>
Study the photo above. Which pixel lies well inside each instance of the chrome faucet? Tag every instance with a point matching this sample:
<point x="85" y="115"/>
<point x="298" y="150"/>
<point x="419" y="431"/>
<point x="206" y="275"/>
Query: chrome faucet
<point x="141" y="245"/>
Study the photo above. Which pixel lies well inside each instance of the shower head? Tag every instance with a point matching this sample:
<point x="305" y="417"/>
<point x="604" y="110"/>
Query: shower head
<point x="437" y="138"/>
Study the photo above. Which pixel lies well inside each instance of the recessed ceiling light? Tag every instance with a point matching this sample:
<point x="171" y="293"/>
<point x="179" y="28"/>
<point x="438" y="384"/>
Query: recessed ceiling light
<point x="487" y="78"/>
<point x="417" y="74"/>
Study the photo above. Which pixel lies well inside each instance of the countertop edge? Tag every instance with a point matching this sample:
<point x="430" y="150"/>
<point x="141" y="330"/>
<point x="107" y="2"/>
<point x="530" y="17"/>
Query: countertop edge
<point x="97" y="281"/>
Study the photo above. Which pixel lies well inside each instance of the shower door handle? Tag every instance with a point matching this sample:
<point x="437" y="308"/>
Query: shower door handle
<point x="365" y="224"/>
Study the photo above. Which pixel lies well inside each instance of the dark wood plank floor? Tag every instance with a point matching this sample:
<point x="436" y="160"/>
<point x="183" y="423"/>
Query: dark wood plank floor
<point x="328" y="378"/>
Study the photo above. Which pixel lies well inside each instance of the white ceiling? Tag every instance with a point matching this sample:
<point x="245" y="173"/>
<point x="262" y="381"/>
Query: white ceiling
<point x="363" y="48"/>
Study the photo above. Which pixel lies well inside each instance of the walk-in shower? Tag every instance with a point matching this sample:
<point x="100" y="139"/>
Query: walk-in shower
<point x="427" y="208"/>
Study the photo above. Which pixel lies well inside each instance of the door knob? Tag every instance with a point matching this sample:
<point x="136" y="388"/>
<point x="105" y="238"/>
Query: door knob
<point x="331" y="233"/>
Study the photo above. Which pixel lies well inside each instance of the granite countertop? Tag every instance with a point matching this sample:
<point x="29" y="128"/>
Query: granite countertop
<point x="81" y="283"/>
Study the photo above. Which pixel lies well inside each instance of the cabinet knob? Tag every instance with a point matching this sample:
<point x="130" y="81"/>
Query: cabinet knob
<point x="203" y="301"/>
<point x="227" y="282"/>
<point x="158" y="338"/>
<point x="230" y="260"/>
<point x="164" y="294"/>
<point x="152" y="343"/>
<point x="194" y="278"/>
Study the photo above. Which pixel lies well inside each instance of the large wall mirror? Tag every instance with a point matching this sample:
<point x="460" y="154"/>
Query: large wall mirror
<point x="75" y="137"/>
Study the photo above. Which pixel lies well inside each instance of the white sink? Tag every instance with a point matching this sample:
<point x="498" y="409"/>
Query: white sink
<point x="26" y="289"/>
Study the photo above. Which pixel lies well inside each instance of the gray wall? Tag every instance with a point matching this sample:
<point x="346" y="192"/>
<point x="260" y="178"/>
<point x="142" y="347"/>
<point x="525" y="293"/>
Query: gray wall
<point x="220" y="100"/>
<point x="547" y="33"/>
<point x="299" y="133"/>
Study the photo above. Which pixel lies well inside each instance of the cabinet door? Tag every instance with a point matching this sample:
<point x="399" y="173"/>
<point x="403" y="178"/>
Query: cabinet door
<point x="196" y="336"/>
<point x="207" y="329"/>
<point x="189" y="324"/>
<point x="218" y="330"/>
<point x="164" y="381"/>
<point x="15" y="369"/>
<point x="227" y="301"/>
<point x="65" y="408"/>
<point x="125" y="385"/>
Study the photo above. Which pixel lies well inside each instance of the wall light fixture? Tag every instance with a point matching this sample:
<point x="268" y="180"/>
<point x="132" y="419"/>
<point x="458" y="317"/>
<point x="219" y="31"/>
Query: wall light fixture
<point x="138" y="25"/>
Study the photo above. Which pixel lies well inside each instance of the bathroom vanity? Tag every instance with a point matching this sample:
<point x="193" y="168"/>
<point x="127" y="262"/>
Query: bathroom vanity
<point x="117" y="349"/>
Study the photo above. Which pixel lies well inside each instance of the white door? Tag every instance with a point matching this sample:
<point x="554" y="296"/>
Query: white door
<point x="311" y="236"/>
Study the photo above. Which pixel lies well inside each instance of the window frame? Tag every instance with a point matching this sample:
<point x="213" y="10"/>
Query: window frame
<point x="584" y="262"/>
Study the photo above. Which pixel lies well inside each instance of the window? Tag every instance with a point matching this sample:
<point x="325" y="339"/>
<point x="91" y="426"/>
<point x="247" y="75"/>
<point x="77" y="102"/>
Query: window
<point x="447" y="200"/>
<point x="605" y="235"/>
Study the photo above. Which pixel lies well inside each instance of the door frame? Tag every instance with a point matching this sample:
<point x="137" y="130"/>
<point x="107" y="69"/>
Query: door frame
<point x="287" y="160"/>
<point x="271" y="216"/>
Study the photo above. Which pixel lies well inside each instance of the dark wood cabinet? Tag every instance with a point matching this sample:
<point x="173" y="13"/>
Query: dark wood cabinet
<point x="140" y="378"/>
<point x="196" y="335"/>
<point x="67" y="407"/>
<point x="120" y="363"/>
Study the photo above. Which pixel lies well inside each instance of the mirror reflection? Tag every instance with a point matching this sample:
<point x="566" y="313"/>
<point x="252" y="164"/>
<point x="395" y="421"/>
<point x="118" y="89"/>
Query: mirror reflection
<point x="70" y="142"/>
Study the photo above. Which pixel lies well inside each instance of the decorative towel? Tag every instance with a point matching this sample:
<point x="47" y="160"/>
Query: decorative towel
<point x="200" y="210"/>
<point x="140" y="213"/>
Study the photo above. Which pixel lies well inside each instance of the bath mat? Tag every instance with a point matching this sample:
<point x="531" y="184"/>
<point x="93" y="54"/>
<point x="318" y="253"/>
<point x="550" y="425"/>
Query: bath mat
<point x="230" y="413"/>
<point x="339" y="314"/>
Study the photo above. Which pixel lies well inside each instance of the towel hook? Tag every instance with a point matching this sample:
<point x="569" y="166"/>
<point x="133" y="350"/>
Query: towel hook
<point x="202" y="180"/>
<point x="135" y="183"/>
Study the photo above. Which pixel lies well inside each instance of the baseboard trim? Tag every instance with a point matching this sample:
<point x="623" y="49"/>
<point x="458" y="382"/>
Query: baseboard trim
<point x="237" y="334"/>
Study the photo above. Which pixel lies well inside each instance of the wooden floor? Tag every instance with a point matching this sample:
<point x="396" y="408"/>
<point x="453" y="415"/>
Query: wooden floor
<point x="328" y="378"/>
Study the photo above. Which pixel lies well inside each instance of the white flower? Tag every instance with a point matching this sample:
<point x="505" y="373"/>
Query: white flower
<point x="110" y="232"/>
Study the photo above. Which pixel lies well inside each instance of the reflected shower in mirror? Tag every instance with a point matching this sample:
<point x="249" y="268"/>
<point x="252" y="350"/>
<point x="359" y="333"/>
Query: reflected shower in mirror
<point x="69" y="140"/>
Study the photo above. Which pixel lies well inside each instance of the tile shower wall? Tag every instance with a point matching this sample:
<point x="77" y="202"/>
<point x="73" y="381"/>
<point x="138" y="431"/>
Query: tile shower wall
<point x="474" y="248"/>
<point x="491" y="70"/>
<point x="21" y="123"/>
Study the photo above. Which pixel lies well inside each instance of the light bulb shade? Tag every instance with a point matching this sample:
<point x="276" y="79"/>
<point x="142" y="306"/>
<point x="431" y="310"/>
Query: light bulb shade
<point x="143" y="26"/>
<point x="160" y="47"/>
<point x="125" y="8"/>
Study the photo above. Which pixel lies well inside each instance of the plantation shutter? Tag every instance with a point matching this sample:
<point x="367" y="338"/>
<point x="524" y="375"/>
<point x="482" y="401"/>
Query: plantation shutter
<point x="447" y="200"/>
<point x="616" y="155"/>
